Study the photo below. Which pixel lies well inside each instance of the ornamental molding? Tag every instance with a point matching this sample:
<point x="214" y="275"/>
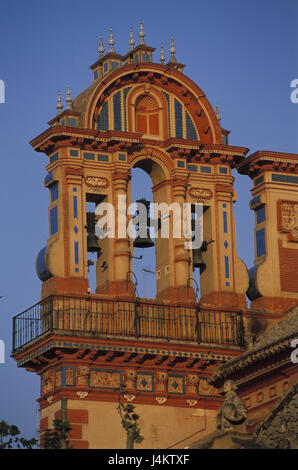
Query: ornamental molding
<point x="192" y="402"/>
<point x="82" y="395"/>
<point x="200" y="193"/>
<point x="96" y="182"/>
<point x="129" y="398"/>
<point x="161" y="400"/>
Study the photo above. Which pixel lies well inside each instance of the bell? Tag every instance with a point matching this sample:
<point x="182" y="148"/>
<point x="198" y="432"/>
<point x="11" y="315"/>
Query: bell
<point x="198" y="261"/>
<point x="140" y="242"/>
<point x="144" y="242"/>
<point x="92" y="245"/>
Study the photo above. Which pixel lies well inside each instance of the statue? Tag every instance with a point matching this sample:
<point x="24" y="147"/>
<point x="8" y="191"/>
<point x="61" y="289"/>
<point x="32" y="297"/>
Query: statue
<point x="233" y="413"/>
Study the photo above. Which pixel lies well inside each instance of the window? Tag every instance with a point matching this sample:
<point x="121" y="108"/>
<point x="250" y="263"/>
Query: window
<point x="89" y="156"/>
<point x="260" y="242"/>
<point x="122" y="157"/>
<point x="72" y="122"/>
<point x="102" y="157"/>
<point x="73" y="153"/>
<point x="54" y="193"/>
<point x="258" y="180"/>
<point x="54" y="157"/>
<point x="180" y="163"/>
<point x="178" y="119"/>
<point x="114" y="65"/>
<point x="117" y="111"/>
<point x="285" y="178"/>
<point x="223" y="170"/>
<point x="147" y="117"/>
<point x="205" y="169"/>
<point x="103" y="118"/>
<point x="95" y="75"/>
<point x="53" y="220"/>
<point x="260" y="213"/>
<point x="192" y="167"/>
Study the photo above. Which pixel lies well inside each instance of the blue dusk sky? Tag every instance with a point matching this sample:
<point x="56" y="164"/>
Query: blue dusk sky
<point x="242" y="54"/>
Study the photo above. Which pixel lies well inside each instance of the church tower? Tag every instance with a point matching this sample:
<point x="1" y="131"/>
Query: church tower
<point x="135" y="114"/>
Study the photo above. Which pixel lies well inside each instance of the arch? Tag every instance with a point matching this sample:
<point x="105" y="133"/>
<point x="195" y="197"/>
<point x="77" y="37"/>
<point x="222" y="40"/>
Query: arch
<point x="161" y="78"/>
<point x="158" y="165"/>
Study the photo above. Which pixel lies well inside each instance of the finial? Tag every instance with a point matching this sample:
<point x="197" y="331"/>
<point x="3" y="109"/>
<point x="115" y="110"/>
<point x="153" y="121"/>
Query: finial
<point x="59" y="104"/>
<point x="141" y="33"/>
<point x="162" y="56"/>
<point x="217" y="113"/>
<point x="68" y="98"/>
<point x="111" y="41"/>
<point x="131" y="40"/>
<point x="101" y="49"/>
<point x="172" y="51"/>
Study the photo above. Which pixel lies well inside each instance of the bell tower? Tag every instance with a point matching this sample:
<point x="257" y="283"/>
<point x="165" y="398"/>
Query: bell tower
<point x="273" y="284"/>
<point x="85" y="345"/>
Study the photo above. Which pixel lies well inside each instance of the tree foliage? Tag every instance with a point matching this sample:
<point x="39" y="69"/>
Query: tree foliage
<point x="10" y="438"/>
<point x="57" y="438"/>
<point x="129" y="421"/>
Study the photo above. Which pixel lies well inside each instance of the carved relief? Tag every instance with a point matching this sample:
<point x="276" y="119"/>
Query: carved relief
<point x="206" y="389"/>
<point x="130" y="378"/>
<point x="83" y="374"/>
<point x="96" y="184"/>
<point x="288" y="215"/>
<point x="145" y="382"/>
<point x="161" y="381"/>
<point x="200" y="194"/>
<point x="47" y="382"/>
<point x="192" y="381"/>
<point x="69" y="376"/>
<point x="105" y="379"/>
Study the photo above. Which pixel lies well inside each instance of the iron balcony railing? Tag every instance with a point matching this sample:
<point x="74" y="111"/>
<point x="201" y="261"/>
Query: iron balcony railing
<point x="98" y="317"/>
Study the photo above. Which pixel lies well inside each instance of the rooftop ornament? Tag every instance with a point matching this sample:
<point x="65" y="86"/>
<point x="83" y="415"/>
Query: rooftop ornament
<point x="131" y="40"/>
<point x="59" y="103"/>
<point x="142" y="34"/>
<point x="101" y="49"/>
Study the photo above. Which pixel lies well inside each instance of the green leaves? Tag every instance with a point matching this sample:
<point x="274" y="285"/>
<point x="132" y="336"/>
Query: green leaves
<point x="129" y="421"/>
<point x="9" y="438"/>
<point x="57" y="438"/>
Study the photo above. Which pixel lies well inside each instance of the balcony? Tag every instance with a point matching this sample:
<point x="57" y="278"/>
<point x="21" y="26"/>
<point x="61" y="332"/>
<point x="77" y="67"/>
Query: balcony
<point x="140" y="319"/>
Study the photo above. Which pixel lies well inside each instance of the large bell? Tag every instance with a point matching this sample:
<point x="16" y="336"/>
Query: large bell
<point x="92" y="244"/>
<point x="140" y="242"/>
<point x="92" y="239"/>
<point x="198" y="261"/>
<point x="144" y="242"/>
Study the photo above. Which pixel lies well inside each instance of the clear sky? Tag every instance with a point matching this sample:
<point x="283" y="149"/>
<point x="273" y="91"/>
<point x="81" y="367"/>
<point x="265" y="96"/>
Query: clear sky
<point x="242" y="54"/>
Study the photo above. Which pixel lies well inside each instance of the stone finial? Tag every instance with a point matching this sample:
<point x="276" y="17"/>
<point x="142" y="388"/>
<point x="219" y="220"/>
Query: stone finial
<point x="111" y="41"/>
<point x="217" y="113"/>
<point x="162" y="57"/>
<point x="101" y="49"/>
<point x="233" y="413"/>
<point x="59" y="103"/>
<point x="142" y="33"/>
<point x="131" y="40"/>
<point x="172" y="51"/>
<point x="68" y="98"/>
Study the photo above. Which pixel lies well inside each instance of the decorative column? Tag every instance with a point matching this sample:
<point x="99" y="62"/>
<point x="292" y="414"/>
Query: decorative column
<point x="122" y="283"/>
<point x="182" y="256"/>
